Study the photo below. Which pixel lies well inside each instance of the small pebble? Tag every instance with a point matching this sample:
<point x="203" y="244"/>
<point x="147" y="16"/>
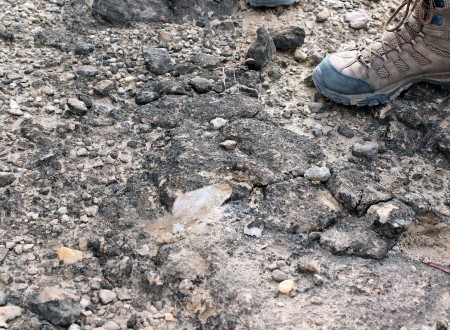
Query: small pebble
<point x="286" y="286"/>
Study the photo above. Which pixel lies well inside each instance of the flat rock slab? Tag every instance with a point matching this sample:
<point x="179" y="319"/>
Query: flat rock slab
<point x="356" y="191"/>
<point x="298" y="206"/>
<point x="354" y="240"/>
<point x="126" y="12"/>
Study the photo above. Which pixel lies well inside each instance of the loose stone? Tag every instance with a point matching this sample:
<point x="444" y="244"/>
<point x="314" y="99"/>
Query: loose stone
<point x="286" y="286"/>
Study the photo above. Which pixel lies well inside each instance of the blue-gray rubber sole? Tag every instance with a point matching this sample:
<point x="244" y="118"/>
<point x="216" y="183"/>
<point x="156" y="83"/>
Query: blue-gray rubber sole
<point x="271" y="3"/>
<point x="381" y="96"/>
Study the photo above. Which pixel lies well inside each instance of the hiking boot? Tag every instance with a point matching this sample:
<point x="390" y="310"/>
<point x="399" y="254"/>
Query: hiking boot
<point x="415" y="50"/>
<point x="271" y="3"/>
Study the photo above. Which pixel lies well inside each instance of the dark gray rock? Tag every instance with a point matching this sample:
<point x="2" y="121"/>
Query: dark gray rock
<point x="444" y="144"/>
<point x="288" y="38"/>
<point x="5" y="34"/>
<point x="201" y="85"/>
<point x="205" y="60"/>
<point x="279" y="276"/>
<point x="153" y="90"/>
<point x="275" y="73"/>
<point x="57" y="38"/>
<point x="346" y="131"/>
<point x="261" y="51"/>
<point x="83" y="48"/>
<point x="157" y="60"/>
<point x="87" y="71"/>
<point x="6" y="179"/>
<point x="354" y="240"/>
<point x="365" y="149"/>
<point x="126" y="12"/>
<point x="3" y="297"/>
<point x="55" y="305"/>
<point x="418" y="203"/>
<point x="390" y="219"/>
<point x="356" y="191"/>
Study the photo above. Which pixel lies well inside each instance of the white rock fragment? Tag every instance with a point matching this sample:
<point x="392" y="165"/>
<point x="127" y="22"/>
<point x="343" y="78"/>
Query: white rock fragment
<point x="194" y="203"/>
<point x="357" y="19"/>
<point x="82" y="152"/>
<point x="8" y="313"/>
<point x="253" y="231"/>
<point x="177" y="228"/>
<point x="218" y="123"/>
<point x="229" y="144"/>
<point x="144" y="250"/>
<point x="107" y="296"/>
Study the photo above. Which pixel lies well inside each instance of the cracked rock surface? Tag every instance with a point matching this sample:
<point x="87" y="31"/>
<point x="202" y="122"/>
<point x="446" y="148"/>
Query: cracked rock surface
<point x="192" y="187"/>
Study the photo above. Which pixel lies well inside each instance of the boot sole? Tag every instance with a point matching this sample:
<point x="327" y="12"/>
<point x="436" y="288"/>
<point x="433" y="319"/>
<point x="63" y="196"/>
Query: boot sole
<point x="381" y="96"/>
<point x="259" y="3"/>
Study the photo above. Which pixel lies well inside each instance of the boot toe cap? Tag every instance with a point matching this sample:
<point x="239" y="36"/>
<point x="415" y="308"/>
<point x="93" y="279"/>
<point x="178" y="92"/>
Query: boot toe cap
<point x="327" y="76"/>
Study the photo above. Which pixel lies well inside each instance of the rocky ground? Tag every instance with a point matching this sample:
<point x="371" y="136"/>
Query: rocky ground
<point x="153" y="178"/>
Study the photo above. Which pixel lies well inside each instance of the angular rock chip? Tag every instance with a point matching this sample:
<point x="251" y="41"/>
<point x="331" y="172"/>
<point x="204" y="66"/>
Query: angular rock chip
<point x="390" y="219"/>
<point x="289" y="38"/>
<point x="6" y="179"/>
<point x="354" y="240"/>
<point x="69" y="256"/>
<point x="57" y="306"/>
<point x="157" y="60"/>
<point x="261" y="51"/>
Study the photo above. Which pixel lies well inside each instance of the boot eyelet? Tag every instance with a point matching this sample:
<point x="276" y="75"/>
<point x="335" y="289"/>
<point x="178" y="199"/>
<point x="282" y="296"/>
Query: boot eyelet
<point x="437" y="20"/>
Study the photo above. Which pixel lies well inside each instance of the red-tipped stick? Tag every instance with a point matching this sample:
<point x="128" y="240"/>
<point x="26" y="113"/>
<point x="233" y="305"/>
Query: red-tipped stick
<point x="438" y="266"/>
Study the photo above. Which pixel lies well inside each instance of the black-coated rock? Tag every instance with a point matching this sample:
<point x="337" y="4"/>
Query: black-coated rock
<point x="55" y="305"/>
<point x="157" y="60"/>
<point x="57" y="38"/>
<point x="153" y="90"/>
<point x="288" y="38"/>
<point x="261" y="51"/>
<point x="354" y="240"/>
<point x="126" y="12"/>
<point x="298" y="206"/>
<point x="83" y="48"/>
<point x="390" y="219"/>
<point x="6" y="179"/>
<point x="356" y="191"/>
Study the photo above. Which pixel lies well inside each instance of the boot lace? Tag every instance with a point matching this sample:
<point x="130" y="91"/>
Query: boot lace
<point x="424" y="10"/>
